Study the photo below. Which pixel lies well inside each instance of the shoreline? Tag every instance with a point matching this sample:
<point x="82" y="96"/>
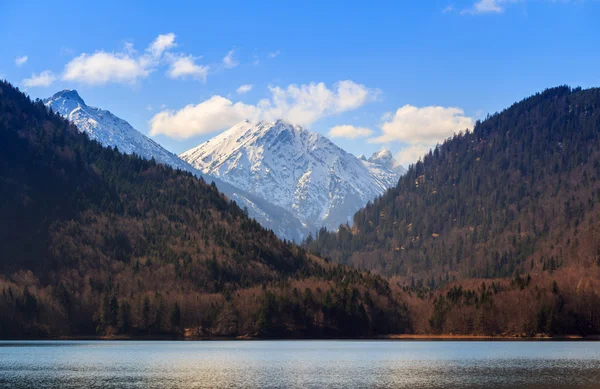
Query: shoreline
<point x="390" y="337"/>
<point x="513" y="337"/>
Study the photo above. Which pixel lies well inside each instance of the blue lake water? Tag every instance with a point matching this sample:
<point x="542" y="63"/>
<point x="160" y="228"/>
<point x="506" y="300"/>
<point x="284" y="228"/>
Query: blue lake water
<point x="298" y="364"/>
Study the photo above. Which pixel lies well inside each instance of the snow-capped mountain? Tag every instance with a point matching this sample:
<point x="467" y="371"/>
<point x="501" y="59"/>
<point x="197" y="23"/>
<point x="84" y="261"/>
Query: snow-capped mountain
<point x="383" y="166"/>
<point x="110" y="130"/>
<point x="298" y="170"/>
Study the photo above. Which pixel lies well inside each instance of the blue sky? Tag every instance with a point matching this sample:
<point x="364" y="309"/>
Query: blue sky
<point x="401" y="75"/>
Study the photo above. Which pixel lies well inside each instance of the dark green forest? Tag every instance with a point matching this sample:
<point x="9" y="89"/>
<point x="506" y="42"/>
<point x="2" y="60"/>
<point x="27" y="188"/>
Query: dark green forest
<point x="487" y="202"/>
<point x="95" y="242"/>
<point x="493" y="232"/>
<point x="515" y="199"/>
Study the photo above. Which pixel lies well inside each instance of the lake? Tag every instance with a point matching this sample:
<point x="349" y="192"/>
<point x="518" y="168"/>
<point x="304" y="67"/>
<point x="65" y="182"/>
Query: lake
<point x="298" y="364"/>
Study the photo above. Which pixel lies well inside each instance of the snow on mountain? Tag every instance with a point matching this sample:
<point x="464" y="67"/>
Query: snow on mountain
<point x="295" y="169"/>
<point x="383" y="166"/>
<point x="110" y="130"/>
<point x="384" y="158"/>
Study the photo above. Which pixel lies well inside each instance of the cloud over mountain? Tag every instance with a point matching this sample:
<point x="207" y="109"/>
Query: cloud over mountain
<point x="129" y="66"/>
<point x="43" y="79"/>
<point x="415" y="125"/>
<point x="349" y="132"/>
<point x="302" y="104"/>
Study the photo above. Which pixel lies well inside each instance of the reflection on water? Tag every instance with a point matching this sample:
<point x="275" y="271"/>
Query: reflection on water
<point x="299" y="364"/>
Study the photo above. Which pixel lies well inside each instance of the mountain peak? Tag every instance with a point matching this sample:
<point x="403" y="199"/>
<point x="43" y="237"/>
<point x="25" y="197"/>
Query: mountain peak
<point x="68" y="94"/>
<point x="112" y="131"/>
<point x="250" y="133"/>
<point x="109" y="130"/>
<point x="295" y="169"/>
<point x="385" y="159"/>
<point x="279" y="125"/>
<point x="382" y="155"/>
<point x="282" y="121"/>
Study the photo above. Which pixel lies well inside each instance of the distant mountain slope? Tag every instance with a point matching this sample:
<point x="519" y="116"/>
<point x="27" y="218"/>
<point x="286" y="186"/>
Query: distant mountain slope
<point x="110" y="130"/>
<point x="301" y="171"/>
<point x="93" y="241"/>
<point x="521" y="193"/>
<point x="496" y="231"/>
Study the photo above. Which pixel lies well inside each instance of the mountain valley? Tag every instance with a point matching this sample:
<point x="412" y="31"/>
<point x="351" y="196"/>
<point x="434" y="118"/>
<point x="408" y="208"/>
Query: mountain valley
<point x="494" y="232"/>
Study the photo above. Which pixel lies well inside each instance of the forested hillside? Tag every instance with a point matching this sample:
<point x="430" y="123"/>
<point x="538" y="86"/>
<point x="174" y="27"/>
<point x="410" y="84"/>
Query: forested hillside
<point x="494" y="232"/>
<point x="522" y="185"/>
<point x="515" y="201"/>
<point x="97" y="242"/>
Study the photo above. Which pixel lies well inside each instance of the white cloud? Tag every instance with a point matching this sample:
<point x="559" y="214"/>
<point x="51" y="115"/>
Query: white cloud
<point x="184" y="66"/>
<point x="426" y="125"/>
<point x="129" y="49"/>
<point x="244" y="89"/>
<point x="486" y="6"/>
<point x="102" y="68"/>
<point x="483" y="6"/>
<point x="274" y="54"/>
<point x="209" y="116"/>
<point x="19" y="61"/>
<point x="229" y="61"/>
<point x="162" y="43"/>
<point x="449" y="8"/>
<point x="149" y="108"/>
<point x="349" y="132"/>
<point x="44" y="79"/>
<point x="420" y="129"/>
<point x="411" y="154"/>
<point x="351" y="95"/>
<point x="491" y="6"/>
<point x="387" y="116"/>
<point x="126" y="67"/>
<point x="299" y="104"/>
<point x="305" y="104"/>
